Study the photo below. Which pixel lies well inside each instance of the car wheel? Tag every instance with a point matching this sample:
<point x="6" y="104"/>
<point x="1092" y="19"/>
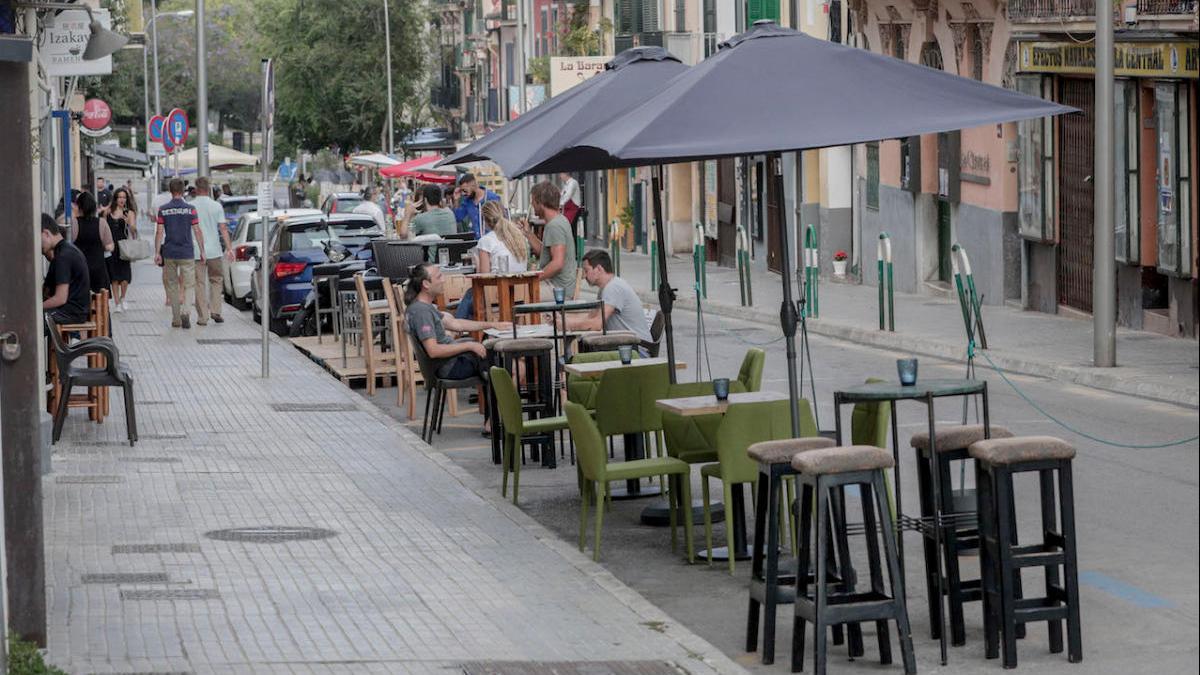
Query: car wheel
<point x="303" y="324"/>
<point x="279" y="327"/>
<point x="240" y="304"/>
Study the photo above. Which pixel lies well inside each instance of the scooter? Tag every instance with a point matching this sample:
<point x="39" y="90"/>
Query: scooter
<point x="342" y="263"/>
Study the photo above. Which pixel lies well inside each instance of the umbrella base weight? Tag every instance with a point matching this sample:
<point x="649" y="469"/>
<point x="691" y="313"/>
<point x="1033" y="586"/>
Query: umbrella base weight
<point x="721" y="554"/>
<point x="659" y="515"/>
<point x="622" y="493"/>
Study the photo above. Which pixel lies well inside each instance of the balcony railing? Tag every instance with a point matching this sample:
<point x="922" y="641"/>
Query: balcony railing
<point x="446" y="98"/>
<point x="1041" y="10"/>
<point x="1167" y="7"/>
<point x="625" y="41"/>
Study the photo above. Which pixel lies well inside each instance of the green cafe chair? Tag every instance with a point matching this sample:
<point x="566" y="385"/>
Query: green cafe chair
<point x="693" y="439"/>
<point x="743" y="425"/>
<point x="596" y="472"/>
<point x="516" y="427"/>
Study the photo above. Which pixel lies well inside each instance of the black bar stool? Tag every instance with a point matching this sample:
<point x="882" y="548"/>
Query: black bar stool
<point x="769" y="586"/>
<point x="996" y="461"/>
<point x="950" y="445"/>
<point x="327" y="274"/>
<point x="537" y="394"/>
<point x="819" y="473"/>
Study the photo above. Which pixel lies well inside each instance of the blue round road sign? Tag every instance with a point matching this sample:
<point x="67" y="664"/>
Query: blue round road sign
<point x="176" y="130"/>
<point x="156" y="128"/>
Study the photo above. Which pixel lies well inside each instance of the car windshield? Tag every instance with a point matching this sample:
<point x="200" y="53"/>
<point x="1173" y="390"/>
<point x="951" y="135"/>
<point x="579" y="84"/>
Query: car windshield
<point x="235" y="209"/>
<point x="305" y="235"/>
<point x="347" y="204"/>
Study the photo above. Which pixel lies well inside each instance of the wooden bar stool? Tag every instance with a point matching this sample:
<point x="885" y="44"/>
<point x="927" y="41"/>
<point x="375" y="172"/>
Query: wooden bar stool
<point x="1004" y="610"/>
<point x="379" y="359"/>
<point x="950" y="445"/>
<point x="821" y="472"/>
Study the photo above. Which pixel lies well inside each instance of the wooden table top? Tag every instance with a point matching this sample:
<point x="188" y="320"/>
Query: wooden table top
<point x="690" y="406"/>
<point x="596" y="369"/>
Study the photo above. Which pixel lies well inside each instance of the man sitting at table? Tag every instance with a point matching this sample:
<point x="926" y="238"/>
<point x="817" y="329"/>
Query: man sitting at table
<point x="622" y="308"/>
<point x="454" y="359"/>
<point x="67" y="289"/>
<point x="427" y="215"/>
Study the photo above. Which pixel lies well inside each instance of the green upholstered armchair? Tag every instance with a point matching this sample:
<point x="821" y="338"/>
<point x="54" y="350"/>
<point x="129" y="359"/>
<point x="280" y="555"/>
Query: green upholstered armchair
<point x="582" y="390"/>
<point x="694" y="439"/>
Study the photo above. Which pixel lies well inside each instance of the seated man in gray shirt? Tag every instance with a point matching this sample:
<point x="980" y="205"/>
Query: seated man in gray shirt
<point x="455" y="359"/>
<point x="622" y="308"/>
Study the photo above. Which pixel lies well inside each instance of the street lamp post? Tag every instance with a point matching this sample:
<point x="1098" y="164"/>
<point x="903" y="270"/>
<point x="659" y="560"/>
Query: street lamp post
<point x="152" y="26"/>
<point x="201" y="94"/>
<point x="387" y="37"/>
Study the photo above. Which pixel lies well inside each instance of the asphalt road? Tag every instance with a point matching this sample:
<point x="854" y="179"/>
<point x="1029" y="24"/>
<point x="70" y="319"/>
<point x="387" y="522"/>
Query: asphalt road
<point x="1136" y="514"/>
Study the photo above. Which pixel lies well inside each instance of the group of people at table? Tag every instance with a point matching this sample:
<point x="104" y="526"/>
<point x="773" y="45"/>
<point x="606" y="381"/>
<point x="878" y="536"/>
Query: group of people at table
<point x="508" y="246"/>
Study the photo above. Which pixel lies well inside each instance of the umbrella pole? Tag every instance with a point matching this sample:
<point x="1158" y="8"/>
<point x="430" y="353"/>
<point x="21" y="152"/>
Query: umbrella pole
<point x="787" y="310"/>
<point x="666" y="294"/>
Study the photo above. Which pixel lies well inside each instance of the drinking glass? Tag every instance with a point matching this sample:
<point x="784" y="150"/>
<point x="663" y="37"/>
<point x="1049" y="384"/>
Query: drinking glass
<point x="721" y="388"/>
<point x="907" y="369"/>
<point x="444" y="257"/>
<point x="626" y="353"/>
<point x="560" y="296"/>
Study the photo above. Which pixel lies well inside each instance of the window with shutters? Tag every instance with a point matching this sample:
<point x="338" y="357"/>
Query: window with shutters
<point x="1126" y="219"/>
<point x="762" y="9"/>
<point x="1174" y="180"/>
<point x="636" y="16"/>
<point x="1035" y="166"/>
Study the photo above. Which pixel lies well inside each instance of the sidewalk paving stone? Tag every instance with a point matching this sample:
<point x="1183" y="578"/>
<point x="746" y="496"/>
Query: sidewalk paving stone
<point x="427" y="570"/>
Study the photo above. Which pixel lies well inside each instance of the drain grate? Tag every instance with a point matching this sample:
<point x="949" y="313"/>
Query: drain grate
<point x="228" y="341"/>
<point x="151" y="402"/>
<point x="88" y="480"/>
<point x="314" y="407"/>
<point x="152" y="460"/>
<point x="155" y="548"/>
<point x="145" y="335"/>
<point x="571" y="668"/>
<point x="163" y="437"/>
<point x="125" y="578"/>
<point x="270" y="534"/>
<point x="172" y="594"/>
<point x="154" y="672"/>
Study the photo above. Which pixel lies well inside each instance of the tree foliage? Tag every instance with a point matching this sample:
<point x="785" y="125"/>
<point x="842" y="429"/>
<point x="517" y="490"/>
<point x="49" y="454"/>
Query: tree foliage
<point x="330" y="75"/>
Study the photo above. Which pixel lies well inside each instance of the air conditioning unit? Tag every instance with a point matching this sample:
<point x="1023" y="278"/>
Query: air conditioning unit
<point x="687" y="46"/>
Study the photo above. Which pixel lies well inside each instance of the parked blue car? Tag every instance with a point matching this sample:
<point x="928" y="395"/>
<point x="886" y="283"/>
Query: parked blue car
<point x="296" y="246"/>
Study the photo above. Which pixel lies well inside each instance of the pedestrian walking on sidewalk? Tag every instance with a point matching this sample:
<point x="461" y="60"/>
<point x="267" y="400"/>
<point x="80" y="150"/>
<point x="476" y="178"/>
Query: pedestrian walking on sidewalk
<point x="94" y="239"/>
<point x="556" y="247"/>
<point x="210" y="269"/>
<point x="178" y="227"/>
<point x="121" y="216"/>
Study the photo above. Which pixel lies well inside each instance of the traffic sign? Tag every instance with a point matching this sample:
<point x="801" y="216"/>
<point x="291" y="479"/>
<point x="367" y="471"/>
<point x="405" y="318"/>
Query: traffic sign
<point x="155" y="128"/>
<point x="175" y="130"/>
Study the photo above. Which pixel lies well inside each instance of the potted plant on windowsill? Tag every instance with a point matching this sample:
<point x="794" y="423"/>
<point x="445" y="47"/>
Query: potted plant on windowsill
<point x="839" y="263"/>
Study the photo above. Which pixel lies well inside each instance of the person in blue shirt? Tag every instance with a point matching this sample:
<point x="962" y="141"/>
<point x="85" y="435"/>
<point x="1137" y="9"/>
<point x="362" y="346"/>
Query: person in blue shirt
<point x="469" y="197"/>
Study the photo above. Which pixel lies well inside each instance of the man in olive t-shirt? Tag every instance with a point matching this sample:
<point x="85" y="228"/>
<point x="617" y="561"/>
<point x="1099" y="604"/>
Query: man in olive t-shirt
<point x="436" y="219"/>
<point x="556" y="248"/>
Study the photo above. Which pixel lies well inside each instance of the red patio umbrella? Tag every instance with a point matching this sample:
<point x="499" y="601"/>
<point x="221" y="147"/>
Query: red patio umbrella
<point x="417" y="168"/>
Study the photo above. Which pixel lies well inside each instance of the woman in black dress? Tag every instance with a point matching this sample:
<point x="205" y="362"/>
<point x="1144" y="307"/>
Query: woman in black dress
<point x="93" y="238"/>
<point x="121" y="215"/>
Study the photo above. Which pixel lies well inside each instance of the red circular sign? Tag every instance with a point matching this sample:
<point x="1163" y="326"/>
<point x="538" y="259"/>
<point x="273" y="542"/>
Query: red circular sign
<point x="96" y="114"/>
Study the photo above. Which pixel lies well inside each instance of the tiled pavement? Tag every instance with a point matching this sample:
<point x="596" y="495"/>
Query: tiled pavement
<point x="426" y="570"/>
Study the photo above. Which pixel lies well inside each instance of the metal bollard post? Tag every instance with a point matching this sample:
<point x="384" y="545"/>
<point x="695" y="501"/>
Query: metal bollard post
<point x="812" y="271"/>
<point x="743" y="265"/>
<point x="883" y="253"/>
<point x="699" y="260"/>
<point x="964" y="281"/>
<point x="614" y="246"/>
<point x="653" y="256"/>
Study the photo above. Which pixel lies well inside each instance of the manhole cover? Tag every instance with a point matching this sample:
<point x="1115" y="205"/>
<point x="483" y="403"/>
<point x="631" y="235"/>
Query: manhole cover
<point x="172" y="594"/>
<point x="89" y="480"/>
<point x="314" y="407"/>
<point x="571" y="668"/>
<point x="228" y="341"/>
<point x="155" y="548"/>
<point x="125" y="578"/>
<point x="270" y="534"/>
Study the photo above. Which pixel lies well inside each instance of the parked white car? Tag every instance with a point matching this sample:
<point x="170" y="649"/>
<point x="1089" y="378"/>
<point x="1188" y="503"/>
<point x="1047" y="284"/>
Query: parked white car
<point x="246" y="239"/>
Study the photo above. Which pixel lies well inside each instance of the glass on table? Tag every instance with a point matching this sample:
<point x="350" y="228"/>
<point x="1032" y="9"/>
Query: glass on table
<point x="721" y="388"/>
<point x="626" y="354"/>
<point x="907" y="370"/>
<point x="444" y="257"/>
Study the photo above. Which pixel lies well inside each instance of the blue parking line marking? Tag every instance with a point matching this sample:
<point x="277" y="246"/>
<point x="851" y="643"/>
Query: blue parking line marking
<point x="1123" y="590"/>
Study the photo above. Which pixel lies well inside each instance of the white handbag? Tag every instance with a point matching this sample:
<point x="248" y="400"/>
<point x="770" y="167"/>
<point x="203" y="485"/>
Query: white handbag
<point x="134" y="249"/>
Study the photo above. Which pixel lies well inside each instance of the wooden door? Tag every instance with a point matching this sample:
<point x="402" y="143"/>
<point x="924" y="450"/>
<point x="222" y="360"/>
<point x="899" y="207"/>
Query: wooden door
<point x="727" y="212"/>
<point x="774" y="218"/>
<point x="1076" y="197"/>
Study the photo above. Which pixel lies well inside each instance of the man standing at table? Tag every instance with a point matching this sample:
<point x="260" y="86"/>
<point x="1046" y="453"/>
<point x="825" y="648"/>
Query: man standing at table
<point x="556" y="248"/>
<point x="470" y="198"/>
<point x="622" y="308"/>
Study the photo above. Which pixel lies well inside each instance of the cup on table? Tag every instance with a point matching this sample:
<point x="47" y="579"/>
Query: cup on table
<point x="502" y="264"/>
<point x="721" y="388"/>
<point x="444" y="257"/>
<point x="907" y="369"/>
<point x="624" y="351"/>
<point x="560" y="296"/>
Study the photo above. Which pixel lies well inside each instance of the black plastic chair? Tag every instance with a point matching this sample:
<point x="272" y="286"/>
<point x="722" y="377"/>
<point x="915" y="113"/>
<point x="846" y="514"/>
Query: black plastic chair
<point x="394" y="258"/>
<point x="435" y="389"/>
<point x="113" y="374"/>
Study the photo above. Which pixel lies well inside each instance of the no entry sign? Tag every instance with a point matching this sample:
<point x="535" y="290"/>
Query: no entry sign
<point x="175" y="130"/>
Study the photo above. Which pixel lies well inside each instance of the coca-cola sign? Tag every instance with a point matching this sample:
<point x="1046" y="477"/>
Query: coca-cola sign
<point x="96" y="114"/>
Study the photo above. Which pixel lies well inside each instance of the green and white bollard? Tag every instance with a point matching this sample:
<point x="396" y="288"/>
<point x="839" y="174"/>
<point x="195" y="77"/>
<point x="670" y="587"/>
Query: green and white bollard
<point x="968" y="297"/>
<point x="743" y="265"/>
<point x="812" y="272"/>
<point x="887" y="298"/>
<point x="653" y="256"/>
<point x="699" y="260"/>
<point x="614" y="246"/>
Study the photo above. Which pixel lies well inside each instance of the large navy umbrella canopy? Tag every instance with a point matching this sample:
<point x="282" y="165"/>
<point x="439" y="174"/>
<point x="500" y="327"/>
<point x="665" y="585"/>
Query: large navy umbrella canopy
<point x="521" y="146"/>
<point x="774" y="89"/>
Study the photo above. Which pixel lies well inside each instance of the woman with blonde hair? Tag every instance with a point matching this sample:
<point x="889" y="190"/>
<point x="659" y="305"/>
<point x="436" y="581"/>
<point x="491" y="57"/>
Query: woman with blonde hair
<point x="505" y="242"/>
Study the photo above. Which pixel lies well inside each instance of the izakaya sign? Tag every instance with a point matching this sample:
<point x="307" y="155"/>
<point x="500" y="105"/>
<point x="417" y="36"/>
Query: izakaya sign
<point x="63" y="40"/>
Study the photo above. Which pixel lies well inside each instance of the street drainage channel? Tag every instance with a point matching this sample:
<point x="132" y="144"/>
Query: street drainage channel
<point x="270" y="534"/>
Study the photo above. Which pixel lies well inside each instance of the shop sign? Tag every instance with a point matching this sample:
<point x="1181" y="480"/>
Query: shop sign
<point x="1131" y="59"/>
<point x="568" y="71"/>
<point x="63" y="40"/>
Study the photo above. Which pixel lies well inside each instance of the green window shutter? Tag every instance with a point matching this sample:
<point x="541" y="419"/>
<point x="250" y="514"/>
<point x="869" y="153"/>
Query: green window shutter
<point x="762" y="9"/>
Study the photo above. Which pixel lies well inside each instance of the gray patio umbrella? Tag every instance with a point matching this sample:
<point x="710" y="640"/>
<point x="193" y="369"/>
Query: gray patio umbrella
<point x="772" y="90"/>
<point x="520" y="147"/>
